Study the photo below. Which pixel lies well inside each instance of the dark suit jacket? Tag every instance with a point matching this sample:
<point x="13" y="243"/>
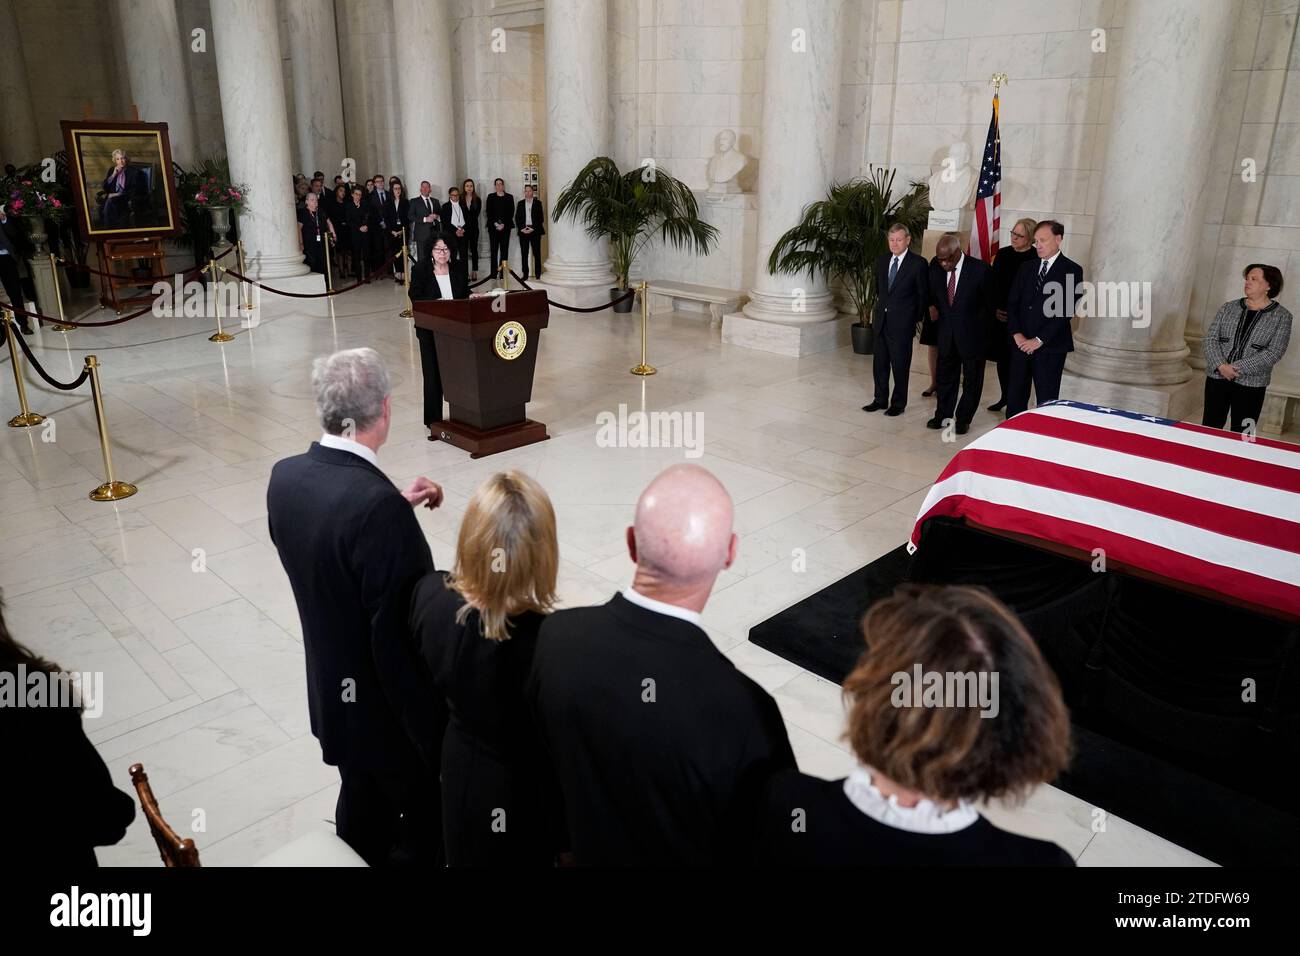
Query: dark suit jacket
<point x="449" y="230"/>
<point x="59" y="802"/>
<point x="472" y="211"/>
<point x="669" y="772"/>
<point x="395" y="213"/>
<point x="415" y="214"/>
<point x="117" y="212"/>
<point x="358" y="216"/>
<point x="381" y="206"/>
<point x="1046" y="314"/>
<point x="425" y="286"/>
<point x="539" y="227"/>
<point x="499" y="209"/>
<point x="903" y="306"/>
<point x="964" y="324"/>
<point x="353" y="551"/>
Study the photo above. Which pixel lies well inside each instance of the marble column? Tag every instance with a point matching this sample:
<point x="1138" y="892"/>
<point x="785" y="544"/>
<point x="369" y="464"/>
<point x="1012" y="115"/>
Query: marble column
<point x="19" y="143"/>
<point x="422" y="40"/>
<point x="1151" y="207"/>
<point x="794" y="314"/>
<point x="155" y="68"/>
<point x="246" y="41"/>
<point x="317" y="89"/>
<point x="577" y="131"/>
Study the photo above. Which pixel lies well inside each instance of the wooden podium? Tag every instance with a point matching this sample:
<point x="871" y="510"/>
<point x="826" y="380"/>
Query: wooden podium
<point x="487" y="353"/>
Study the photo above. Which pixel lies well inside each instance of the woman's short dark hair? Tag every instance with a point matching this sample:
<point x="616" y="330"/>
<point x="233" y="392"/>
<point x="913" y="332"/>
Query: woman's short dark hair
<point x="956" y="748"/>
<point x="1272" y="275"/>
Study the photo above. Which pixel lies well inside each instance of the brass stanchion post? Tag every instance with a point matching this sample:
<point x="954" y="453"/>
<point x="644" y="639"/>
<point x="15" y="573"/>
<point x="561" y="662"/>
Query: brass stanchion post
<point x="111" y="489"/>
<point x="239" y="251"/>
<point x="409" y="311"/>
<point x="643" y="368"/>
<point x="60" y="326"/>
<point x="26" y="418"/>
<point x="329" y="275"/>
<point x="219" y="335"/>
<point x="505" y="275"/>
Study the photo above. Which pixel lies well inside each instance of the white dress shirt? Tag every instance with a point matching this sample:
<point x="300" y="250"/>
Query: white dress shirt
<point x="457" y="216"/>
<point x="528" y="212"/>
<point x="926" y="817"/>
<point x="444" y="285"/>
<point x="659" y="607"/>
<point x="347" y="444"/>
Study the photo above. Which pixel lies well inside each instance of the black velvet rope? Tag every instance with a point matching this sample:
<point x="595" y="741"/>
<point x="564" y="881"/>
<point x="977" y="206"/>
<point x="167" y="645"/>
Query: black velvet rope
<point x="55" y="383"/>
<point x="80" y="267"/>
<point x="573" y="308"/>
<point x="318" y="295"/>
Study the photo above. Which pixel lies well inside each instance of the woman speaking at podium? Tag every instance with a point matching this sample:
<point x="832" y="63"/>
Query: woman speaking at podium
<point x="435" y="278"/>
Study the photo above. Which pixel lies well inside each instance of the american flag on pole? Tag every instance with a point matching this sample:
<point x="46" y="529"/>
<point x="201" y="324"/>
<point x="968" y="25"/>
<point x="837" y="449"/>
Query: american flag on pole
<point x="1195" y="505"/>
<point x="988" y="197"/>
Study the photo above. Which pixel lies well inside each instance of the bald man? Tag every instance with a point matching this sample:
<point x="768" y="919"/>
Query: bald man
<point x="661" y="747"/>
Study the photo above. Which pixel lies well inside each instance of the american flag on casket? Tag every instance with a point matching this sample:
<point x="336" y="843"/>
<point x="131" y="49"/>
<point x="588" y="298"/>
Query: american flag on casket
<point x="1198" y="506"/>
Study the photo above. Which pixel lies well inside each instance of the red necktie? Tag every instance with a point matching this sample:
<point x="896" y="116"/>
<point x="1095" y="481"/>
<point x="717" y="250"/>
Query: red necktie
<point x="952" y="285"/>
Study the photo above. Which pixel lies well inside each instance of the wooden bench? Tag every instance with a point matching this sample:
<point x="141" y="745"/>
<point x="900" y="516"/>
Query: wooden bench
<point x="720" y="302"/>
<point x="1279" y="403"/>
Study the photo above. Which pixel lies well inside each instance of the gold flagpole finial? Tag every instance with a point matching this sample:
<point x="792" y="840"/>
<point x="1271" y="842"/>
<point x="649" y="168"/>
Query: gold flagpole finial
<point x="998" y="80"/>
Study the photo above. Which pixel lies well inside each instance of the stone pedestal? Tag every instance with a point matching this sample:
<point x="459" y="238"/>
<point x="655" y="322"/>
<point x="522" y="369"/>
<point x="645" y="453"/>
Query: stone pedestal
<point x="930" y="239"/>
<point x="1181" y="401"/>
<point x="43" y="278"/>
<point x="731" y="263"/>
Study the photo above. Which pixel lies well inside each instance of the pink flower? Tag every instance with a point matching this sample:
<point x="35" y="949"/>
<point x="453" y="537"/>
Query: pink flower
<point x="18" y="204"/>
<point x="234" y="194"/>
<point x="57" y="204"/>
<point x="27" y="182"/>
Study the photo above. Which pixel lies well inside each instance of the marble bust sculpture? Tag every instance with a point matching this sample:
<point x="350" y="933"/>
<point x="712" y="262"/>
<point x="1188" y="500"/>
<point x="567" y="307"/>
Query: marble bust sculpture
<point x="953" y="183"/>
<point x="726" y="164"/>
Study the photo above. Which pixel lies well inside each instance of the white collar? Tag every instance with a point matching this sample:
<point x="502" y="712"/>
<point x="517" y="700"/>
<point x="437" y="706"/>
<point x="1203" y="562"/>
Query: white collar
<point x="340" y="443"/>
<point x="926" y="817"/>
<point x="659" y="607"/>
<point x="1051" y="261"/>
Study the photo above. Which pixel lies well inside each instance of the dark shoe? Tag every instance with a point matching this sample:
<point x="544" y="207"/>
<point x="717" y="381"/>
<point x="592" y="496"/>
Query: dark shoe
<point x="997" y="406"/>
<point x="894" y="410"/>
<point x="935" y="423"/>
<point x="873" y="407"/>
<point x="963" y="428"/>
<point x="929" y="392"/>
<point x="27" y="329"/>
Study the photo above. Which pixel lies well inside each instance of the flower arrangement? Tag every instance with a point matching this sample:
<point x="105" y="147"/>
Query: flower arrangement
<point x="209" y="185"/>
<point x="30" y="198"/>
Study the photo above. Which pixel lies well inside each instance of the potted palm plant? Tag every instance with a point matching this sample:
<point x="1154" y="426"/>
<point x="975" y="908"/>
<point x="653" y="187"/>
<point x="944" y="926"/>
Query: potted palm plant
<point x="840" y="238"/>
<point x="631" y="210"/>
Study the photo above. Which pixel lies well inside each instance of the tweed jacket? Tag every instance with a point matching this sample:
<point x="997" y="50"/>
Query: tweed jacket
<point x="1267" y="344"/>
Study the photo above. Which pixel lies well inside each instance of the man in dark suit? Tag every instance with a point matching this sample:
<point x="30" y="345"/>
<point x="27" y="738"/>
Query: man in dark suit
<point x="12" y="242"/>
<point x="500" y="210"/>
<point x="531" y="228"/>
<point x="960" y="289"/>
<point x="661" y="747"/>
<point x="353" y="550"/>
<point x="424" y="216"/>
<point x="378" y="198"/>
<point x="1042" y="303"/>
<point x="901" y="291"/>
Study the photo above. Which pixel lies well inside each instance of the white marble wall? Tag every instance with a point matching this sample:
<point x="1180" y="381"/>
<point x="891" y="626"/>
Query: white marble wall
<point x="202" y="70"/>
<point x="1259" y="119"/>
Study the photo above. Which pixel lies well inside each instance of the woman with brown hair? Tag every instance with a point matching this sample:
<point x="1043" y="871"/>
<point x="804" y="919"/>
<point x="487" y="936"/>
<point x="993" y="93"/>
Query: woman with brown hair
<point x="476" y="629"/>
<point x="952" y="704"/>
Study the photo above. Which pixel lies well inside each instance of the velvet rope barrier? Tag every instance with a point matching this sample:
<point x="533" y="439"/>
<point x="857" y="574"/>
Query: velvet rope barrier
<point x="79" y="267"/>
<point x="573" y="308"/>
<point x="318" y="295"/>
<point x="55" y="383"/>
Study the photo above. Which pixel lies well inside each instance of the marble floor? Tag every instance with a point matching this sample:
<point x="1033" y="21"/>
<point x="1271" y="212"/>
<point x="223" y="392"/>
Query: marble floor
<point x="177" y="596"/>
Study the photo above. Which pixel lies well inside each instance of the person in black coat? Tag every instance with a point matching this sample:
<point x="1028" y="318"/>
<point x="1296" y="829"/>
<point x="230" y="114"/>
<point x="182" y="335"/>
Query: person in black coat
<point x="902" y="292"/>
<point x="396" y="211"/>
<point x="13" y="247"/>
<point x="961" y="291"/>
<point x="360" y="214"/>
<point x="380" y="235"/>
<point x="531" y="226"/>
<point x="660" y="745"/>
<point x="922" y="768"/>
<point x="338" y="219"/>
<point x="58" y="800"/>
<point x="353" y="551"/>
<point x="424" y="216"/>
<point x="477" y="631"/>
<point x="125" y="190"/>
<point x="313" y="234"/>
<point x="436" y="278"/>
<point x="455" y="225"/>
<point x="1006" y="265"/>
<point x="500" y="217"/>
<point x="1042" y="303"/>
<point x="473" y="205"/>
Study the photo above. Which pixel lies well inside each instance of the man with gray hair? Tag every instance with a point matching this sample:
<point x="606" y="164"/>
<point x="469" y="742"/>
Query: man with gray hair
<point x="353" y="550"/>
<point x="660" y="746"/>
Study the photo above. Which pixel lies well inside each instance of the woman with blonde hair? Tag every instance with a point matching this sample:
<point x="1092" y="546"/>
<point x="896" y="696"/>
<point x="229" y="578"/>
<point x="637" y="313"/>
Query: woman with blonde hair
<point x="476" y="630"/>
<point x="951" y="705"/>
